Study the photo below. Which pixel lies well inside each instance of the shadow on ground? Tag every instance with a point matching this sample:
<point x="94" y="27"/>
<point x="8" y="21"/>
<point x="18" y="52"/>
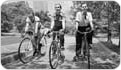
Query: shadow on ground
<point x="112" y="47"/>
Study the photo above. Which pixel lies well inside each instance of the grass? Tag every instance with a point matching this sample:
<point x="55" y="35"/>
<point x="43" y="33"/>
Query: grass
<point x="112" y="47"/>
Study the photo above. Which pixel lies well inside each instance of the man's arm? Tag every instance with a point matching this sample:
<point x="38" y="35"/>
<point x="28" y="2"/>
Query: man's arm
<point x="52" y="23"/>
<point x="63" y="23"/>
<point x="77" y="20"/>
<point x="91" y="19"/>
<point x="27" y="24"/>
<point x="37" y="22"/>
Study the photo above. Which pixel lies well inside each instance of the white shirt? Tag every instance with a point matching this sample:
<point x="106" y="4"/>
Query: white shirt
<point x="82" y="21"/>
<point x="37" y="19"/>
<point x="29" y="23"/>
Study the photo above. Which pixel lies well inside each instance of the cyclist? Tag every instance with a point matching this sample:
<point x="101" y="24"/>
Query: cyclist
<point x="83" y="23"/>
<point x="58" y="24"/>
<point x="33" y="23"/>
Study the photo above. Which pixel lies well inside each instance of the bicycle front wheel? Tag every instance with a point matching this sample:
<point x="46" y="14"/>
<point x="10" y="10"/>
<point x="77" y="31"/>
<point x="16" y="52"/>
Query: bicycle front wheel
<point x="53" y="55"/>
<point x="44" y="46"/>
<point x="88" y="54"/>
<point x="25" y="50"/>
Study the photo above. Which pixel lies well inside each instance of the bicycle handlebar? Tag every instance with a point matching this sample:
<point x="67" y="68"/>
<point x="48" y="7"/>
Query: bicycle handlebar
<point x="84" y="32"/>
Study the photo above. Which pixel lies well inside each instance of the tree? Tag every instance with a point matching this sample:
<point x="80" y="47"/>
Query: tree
<point x="44" y="18"/>
<point x="113" y="10"/>
<point x="6" y="26"/>
<point x="12" y="12"/>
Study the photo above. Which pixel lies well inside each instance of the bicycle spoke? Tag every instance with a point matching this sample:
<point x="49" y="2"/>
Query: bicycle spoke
<point x="26" y="50"/>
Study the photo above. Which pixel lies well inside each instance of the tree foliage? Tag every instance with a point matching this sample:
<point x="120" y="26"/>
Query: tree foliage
<point x="107" y="10"/>
<point x="13" y="13"/>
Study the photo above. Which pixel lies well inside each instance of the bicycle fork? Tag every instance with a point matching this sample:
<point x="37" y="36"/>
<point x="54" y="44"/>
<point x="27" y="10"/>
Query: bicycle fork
<point x="87" y="51"/>
<point x="83" y="45"/>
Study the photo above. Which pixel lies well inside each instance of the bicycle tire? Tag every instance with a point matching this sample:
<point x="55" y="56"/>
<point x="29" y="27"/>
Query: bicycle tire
<point x="45" y="45"/>
<point x="88" y="54"/>
<point x="23" y="54"/>
<point x="54" y="43"/>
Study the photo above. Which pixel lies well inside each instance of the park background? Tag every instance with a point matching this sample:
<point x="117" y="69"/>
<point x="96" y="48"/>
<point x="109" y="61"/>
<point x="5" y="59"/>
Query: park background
<point x="106" y="15"/>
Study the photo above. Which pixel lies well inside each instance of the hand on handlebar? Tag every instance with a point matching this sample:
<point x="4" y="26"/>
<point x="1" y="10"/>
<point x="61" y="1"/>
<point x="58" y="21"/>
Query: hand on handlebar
<point x="42" y="27"/>
<point x="92" y="28"/>
<point x="49" y="31"/>
<point x="61" y="30"/>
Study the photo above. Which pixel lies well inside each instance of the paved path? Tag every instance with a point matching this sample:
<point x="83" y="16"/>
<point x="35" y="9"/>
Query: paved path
<point x="101" y="58"/>
<point x="8" y="40"/>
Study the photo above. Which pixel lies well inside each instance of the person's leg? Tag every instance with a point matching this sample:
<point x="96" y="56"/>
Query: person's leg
<point x="54" y="36"/>
<point x="54" y="46"/>
<point x="34" y="43"/>
<point x="78" y="43"/>
<point x="38" y="42"/>
<point x="62" y="41"/>
<point x="89" y="37"/>
<point x="62" y="47"/>
<point x="78" y="46"/>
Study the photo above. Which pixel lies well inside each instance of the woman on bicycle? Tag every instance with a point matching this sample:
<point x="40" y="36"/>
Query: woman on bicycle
<point x="83" y="23"/>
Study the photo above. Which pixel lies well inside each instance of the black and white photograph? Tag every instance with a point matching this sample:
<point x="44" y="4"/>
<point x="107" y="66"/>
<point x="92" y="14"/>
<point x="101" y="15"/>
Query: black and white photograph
<point x="60" y="34"/>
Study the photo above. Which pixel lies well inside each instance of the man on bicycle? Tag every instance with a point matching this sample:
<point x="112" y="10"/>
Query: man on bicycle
<point x="33" y="24"/>
<point x="83" y="24"/>
<point x="58" y="24"/>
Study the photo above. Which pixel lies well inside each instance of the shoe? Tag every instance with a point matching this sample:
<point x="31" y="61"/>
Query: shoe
<point x="75" y="58"/>
<point x="35" y="53"/>
<point x="81" y="56"/>
<point x="61" y="59"/>
<point x="62" y="48"/>
<point x="90" y="46"/>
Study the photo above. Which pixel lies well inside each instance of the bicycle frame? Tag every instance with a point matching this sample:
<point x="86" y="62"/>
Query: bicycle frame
<point x="84" y="39"/>
<point x="57" y="37"/>
<point x="55" y="41"/>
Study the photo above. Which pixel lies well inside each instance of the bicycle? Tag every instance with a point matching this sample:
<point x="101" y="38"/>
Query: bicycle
<point x="85" y="45"/>
<point x="26" y="47"/>
<point x="55" y="51"/>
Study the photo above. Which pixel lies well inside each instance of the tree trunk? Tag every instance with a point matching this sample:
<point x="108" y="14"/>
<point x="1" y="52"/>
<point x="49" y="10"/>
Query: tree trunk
<point x="109" y="33"/>
<point x="109" y="37"/>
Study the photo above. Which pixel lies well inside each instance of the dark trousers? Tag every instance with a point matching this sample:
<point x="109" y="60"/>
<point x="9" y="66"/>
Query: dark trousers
<point x="61" y="38"/>
<point x="57" y="28"/>
<point x="80" y="36"/>
<point x="36" y="40"/>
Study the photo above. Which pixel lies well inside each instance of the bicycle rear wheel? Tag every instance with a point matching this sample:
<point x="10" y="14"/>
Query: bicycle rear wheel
<point x="25" y="50"/>
<point x="53" y="55"/>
